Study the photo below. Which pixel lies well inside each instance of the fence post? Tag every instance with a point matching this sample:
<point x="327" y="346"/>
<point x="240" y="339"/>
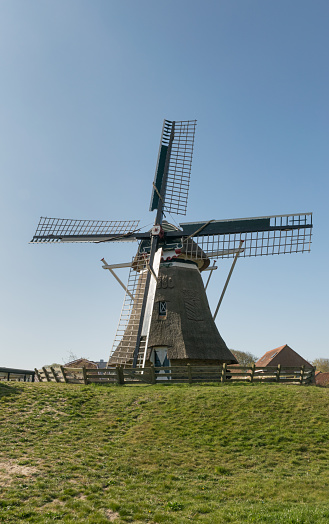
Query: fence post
<point x="312" y="376"/>
<point x="302" y="374"/>
<point x="84" y="374"/>
<point x="153" y="377"/>
<point x="117" y="374"/>
<point x="46" y="374"/>
<point x="54" y="374"/>
<point x="252" y="372"/>
<point x="189" y="373"/>
<point x="278" y="373"/>
<point x="223" y="377"/>
<point x="38" y="375"/>
<point x="120" y="377"/>
<point x="63" y="373"/>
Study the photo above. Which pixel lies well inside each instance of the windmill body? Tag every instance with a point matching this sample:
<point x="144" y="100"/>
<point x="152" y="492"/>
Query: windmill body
<point x="182" y="322"/>
<point x="166" y="317"/>
<point x="182" y="329"/>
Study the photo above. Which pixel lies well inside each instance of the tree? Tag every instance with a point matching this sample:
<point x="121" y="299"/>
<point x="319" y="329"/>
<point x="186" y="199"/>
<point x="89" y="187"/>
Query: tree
<point x="244" y="358"/>
<point x="71" y="357"/>
<point x="321" y="364"/>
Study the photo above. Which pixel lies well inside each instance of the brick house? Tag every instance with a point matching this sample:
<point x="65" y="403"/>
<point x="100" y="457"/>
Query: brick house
<point x="321" y="379"/>
<point x="283" y="355"/>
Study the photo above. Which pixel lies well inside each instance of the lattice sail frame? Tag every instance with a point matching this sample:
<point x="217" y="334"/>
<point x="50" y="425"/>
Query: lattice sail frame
<point x="179" y="164"/>
<point x="287" y="234"/>
<point x="124" y="344"/>
<point x="69" y="230"/>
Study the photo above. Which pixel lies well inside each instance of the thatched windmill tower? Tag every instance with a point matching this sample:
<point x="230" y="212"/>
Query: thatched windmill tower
<point x="166" y="316"/>
<point x="182" y="328"/>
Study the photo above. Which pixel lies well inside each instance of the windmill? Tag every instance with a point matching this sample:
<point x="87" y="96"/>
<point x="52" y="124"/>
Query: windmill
<point x="166" y="317"/>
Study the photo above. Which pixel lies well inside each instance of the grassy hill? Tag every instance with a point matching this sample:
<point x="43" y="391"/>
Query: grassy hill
<point x="229" y="453"/>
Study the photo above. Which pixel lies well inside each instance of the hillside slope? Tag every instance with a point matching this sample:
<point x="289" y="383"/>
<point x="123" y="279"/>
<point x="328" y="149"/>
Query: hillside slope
<point x="177" y="454"/>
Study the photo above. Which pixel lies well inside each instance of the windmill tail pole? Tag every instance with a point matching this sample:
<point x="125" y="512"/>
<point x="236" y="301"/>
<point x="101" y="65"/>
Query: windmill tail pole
<point x="228" y="279"/>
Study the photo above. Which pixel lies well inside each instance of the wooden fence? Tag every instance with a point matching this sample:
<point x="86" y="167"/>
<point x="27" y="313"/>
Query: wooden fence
<point x="21" y="375"/>
<point x="177" y="374"/>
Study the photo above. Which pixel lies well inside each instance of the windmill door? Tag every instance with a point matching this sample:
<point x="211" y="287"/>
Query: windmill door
<point x="160" y="359"/>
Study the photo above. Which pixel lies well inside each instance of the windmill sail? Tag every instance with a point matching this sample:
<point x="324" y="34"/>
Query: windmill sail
<point x="126" y="337"/>
<point x="176" y="158"/>
<point x="150" y="301"/>
<point x="68" y="230"/>
<point x="272" y="235"/>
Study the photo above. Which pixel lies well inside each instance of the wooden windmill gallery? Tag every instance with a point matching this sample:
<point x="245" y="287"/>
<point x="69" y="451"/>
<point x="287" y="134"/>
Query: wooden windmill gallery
<point x="166" y="319"/>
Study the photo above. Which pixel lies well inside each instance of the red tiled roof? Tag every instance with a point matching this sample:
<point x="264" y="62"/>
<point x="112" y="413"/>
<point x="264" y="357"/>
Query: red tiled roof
<point x="289" y="357"/>
<point x="80" y="362"/>
<point x="322" y="379"/>
<point x="267" y="357"/>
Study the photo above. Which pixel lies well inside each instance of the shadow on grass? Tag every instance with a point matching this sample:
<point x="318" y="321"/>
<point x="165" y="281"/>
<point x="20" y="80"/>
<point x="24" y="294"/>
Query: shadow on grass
<point x="6" y="390"/>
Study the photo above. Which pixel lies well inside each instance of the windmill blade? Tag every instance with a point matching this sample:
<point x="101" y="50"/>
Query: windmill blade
<point x="150" y="301"/>
<point x="124" y="344"/>
<point x="272" y="235"/>
<point x="174" y="166"/>
<point x="224" y="253"/>
<point x="131" y="331"/>
<point x="68" y="230"/>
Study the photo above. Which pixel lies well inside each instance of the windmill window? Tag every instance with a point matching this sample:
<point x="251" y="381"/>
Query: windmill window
<point x="162" y="309"/>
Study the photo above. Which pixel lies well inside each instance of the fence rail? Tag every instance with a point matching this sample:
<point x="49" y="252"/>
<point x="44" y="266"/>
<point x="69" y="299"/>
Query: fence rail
<point x="177" y="374"/>
<point x="21" y="375"/>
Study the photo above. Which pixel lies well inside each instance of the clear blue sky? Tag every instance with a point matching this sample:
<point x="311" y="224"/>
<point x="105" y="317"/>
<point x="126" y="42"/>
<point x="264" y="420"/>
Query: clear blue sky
<point x="85" y="86"/>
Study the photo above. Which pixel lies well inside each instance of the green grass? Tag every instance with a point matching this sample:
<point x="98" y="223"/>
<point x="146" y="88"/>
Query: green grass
<point x="229" y="453"/>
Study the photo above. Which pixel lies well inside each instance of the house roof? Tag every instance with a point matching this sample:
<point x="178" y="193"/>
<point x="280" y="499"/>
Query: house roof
<point x="322" y="379"/>
<point x="81" y="362"/>
<point x="267" y="358"/>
